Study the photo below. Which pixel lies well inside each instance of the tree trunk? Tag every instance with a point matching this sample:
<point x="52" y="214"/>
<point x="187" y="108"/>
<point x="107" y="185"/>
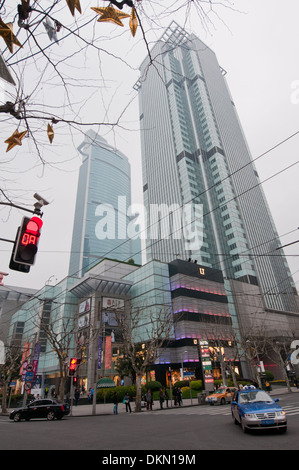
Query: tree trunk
<point x="258" y="378"/>
<point x="232" y="371"/>
<point x="4" y="393"/>
<point x="138" y="394"/>
<point x="223" y="369"/>
<point x="284" y="374"/>
<point x="61" y="383"/>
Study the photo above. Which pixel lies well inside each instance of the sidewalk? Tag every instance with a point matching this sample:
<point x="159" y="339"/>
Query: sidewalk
<point x="282" y="391"/>
<point x="107" y="408"/>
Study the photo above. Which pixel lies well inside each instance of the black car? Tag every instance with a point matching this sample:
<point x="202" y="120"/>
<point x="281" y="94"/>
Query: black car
<point x="49" y="409"/>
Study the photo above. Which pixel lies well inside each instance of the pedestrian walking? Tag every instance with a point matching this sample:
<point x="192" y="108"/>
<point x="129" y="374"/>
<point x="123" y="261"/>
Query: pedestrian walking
<point x="46" y="392"/>
<point x="161" y="398"/>
<point x="77" y="396"/>
<point x="127" y="402"/>
<point x="149" y="400"/>
<point x="166" y="397"/>
<point x="115" y="403"/>
<point x="175" y="396"/>
<point x="180" y="396"/>
<point x="90" y="395"/>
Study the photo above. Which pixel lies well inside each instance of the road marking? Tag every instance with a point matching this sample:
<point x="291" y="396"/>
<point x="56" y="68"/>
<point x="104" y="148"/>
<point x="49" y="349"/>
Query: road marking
<point x="211" y="410"/>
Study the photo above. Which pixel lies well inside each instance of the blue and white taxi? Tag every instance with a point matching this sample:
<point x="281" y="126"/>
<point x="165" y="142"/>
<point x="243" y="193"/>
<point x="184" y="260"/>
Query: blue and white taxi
<point x="255" y="409"/>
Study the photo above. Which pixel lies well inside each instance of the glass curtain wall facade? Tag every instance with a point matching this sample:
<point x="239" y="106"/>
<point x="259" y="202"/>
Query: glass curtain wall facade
<point x="150" y="301"/>
<point x="194" y="152"/>
<point x="101" y="213"/>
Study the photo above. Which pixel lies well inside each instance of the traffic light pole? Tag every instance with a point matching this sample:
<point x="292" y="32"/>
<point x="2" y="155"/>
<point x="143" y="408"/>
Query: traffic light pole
<point x="5" y="240"/>
<point x="72" y="397"/>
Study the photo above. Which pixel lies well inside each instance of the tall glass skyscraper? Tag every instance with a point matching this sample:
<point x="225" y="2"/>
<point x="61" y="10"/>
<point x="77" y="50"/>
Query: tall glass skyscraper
<point x="194" y="153"/>
<point x="102" y="213"/>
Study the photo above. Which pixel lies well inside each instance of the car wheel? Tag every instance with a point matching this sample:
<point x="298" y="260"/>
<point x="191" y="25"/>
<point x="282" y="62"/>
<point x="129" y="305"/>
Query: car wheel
<point x="244" y="429"/>
<point x="222" y="401"/>
<point x="235" y="420"/>
<point x="282" y="430"/>
<point x="50" y="415"/>
<point x="17" y="417"/>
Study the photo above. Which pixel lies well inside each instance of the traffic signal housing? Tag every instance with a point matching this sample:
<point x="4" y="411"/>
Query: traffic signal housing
<point x="73" y="366"/>
<point x="26" y="244"/>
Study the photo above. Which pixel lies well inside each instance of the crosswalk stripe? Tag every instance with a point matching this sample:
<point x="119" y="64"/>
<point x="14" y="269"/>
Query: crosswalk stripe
<point x="212" y="411"/>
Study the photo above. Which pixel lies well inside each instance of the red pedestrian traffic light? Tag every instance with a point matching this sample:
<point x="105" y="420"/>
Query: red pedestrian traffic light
<point x="73" y="366"/>
<point x="27" y="241"/>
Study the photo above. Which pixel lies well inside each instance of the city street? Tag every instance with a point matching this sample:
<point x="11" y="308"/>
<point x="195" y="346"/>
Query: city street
<point x="179" y="429"/>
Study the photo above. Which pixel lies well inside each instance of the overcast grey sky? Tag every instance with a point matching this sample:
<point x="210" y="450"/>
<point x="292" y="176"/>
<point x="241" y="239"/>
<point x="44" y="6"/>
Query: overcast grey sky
<point x="255" y="41"/>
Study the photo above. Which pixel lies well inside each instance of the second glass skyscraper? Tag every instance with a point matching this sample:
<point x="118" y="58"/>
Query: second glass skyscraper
<point x="101" y="213"/>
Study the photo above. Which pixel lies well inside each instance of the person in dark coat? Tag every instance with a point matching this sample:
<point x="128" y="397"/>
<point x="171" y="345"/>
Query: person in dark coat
<point x="175" y="396"/>
<point x="77" y="396"/>
<point x="166" y="397"/>
<point x="127" y="403"/>
<point x="161" y="398"/>
<point x="115" y="403"/>
<point x="149" y="400"/>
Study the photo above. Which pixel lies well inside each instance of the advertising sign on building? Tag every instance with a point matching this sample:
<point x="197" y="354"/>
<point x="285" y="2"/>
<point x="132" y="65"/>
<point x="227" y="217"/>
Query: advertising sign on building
<point x="84" y="306"/>
<point x="84" y="314"/>
<point x="108" y="353"/>
<point x="110" y="302"/>
<point x="109" y="319"/>
<point x="83" y="321"/>
<point x="24" y="361"/>
<point x="111" y="308"/>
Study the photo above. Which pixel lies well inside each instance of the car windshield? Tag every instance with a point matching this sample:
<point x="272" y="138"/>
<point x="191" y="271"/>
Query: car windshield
<point x="254" y="396"/>
<point x="220" y="390"/>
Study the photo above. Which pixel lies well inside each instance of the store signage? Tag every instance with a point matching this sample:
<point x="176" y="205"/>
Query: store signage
<point x="206" y="365"/>
<point x="188" y="373"/>
<point x="209" y="379"/>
